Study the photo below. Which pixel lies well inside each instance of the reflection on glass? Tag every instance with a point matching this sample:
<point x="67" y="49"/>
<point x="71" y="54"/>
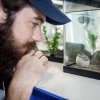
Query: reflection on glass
<point x="82" y="40"/>
<point x="50" y="34"/>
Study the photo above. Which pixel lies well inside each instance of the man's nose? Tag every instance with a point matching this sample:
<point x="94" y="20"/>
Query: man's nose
<point x="37" y="36"/>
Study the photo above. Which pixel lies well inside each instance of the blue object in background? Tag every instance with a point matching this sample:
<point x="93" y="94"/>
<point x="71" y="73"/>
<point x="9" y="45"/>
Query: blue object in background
<point x="39" y="94"/>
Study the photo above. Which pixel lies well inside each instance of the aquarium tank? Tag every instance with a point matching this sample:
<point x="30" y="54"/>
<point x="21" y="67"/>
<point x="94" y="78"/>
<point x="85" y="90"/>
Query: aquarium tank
<point x="82" y="36"/>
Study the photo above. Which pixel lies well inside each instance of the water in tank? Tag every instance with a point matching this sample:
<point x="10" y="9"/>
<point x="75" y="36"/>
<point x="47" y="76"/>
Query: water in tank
<point x="82" y="40"/>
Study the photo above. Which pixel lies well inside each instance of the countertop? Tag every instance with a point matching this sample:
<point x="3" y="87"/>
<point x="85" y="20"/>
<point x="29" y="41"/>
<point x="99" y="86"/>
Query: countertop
<point x="69" y="86"/>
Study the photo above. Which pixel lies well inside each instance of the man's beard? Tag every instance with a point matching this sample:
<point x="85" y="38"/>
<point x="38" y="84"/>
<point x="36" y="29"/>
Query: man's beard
<point x="11" y="52"/>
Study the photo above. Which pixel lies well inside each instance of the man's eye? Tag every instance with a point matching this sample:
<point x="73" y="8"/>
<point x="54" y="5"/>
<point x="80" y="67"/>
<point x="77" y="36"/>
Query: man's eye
<point x="35" y="24"/>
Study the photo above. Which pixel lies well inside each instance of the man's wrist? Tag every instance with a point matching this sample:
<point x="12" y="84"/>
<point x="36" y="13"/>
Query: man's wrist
<point x="16" y="92"/>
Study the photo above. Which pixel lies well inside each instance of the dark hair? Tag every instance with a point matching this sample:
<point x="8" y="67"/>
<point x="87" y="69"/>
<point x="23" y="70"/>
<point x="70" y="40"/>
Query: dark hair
<point x="10" y="7"/>
<point x="14" y="5"/>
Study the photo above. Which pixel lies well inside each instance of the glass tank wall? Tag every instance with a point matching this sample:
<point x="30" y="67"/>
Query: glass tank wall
<point x="82" y="38"/>
<point x="43" y="46"/>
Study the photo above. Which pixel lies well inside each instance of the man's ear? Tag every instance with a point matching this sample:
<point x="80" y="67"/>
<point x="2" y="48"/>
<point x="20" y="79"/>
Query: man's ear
<point x="2" y="14"/>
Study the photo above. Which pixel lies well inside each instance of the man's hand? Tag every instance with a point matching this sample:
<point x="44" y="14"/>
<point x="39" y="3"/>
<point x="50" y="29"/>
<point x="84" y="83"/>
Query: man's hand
<point x="29" y="71"/>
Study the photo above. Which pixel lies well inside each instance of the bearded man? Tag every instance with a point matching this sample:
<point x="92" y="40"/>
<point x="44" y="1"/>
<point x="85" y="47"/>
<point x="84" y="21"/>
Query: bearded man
<point x="20" y="29"/>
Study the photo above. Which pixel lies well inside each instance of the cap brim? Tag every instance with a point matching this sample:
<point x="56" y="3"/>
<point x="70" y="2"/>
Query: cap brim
<point x="53" y="15"/>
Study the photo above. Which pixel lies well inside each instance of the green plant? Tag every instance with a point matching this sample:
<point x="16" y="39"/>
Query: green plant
<point x="54" y="43"/>
<point x="92" y="39"/>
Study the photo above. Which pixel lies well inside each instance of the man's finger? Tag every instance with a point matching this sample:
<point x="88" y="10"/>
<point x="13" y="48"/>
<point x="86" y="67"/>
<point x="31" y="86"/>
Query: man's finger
<point x="31" y="53"/>
<point x="39" y="54"/>
<point x="44" y="59"/>
<point x="47" y="66"/>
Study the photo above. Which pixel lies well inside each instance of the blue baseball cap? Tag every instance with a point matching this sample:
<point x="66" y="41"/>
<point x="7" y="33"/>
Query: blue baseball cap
<point x="53" y="15"/>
